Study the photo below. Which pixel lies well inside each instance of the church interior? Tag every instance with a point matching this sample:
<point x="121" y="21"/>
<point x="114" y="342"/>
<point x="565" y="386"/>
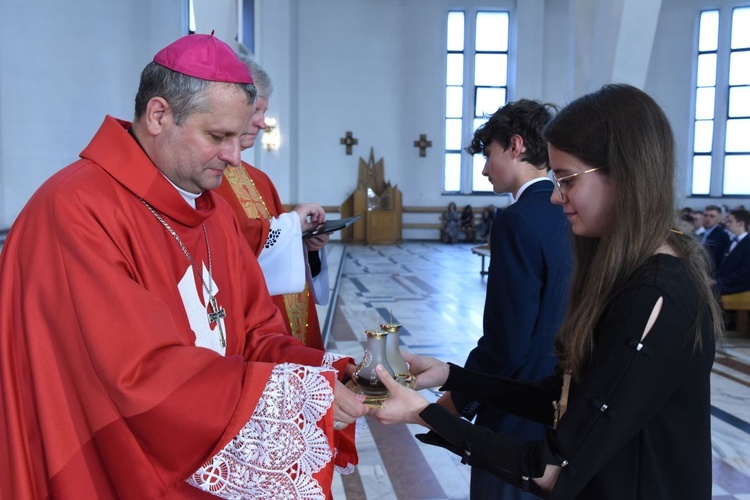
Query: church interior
<point x="360" y="126"/>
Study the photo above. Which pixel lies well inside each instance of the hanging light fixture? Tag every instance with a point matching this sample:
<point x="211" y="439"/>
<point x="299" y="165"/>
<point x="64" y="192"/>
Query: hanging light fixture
<point x="271" y="136"/>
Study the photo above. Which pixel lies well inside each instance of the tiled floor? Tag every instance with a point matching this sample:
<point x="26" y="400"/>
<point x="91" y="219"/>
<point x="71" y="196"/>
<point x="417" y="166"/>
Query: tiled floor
<point x="437" y="293"/>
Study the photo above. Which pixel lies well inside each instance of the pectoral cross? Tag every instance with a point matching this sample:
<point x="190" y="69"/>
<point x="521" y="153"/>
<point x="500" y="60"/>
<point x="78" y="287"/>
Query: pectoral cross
<point x="214" y="317"/>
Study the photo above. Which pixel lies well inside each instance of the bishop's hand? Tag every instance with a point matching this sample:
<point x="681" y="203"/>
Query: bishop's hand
<point x="348" y="406"/>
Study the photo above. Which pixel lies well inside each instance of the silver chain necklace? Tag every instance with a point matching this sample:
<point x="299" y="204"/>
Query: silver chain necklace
<point x="218" y="312"/>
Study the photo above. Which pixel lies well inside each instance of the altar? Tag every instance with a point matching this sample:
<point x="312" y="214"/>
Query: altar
<point x="379" y="204"/>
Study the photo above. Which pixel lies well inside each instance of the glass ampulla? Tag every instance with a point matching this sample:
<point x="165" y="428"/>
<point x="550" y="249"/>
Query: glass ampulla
<point x="397" y="362"/>
<point x="375" y="353"/>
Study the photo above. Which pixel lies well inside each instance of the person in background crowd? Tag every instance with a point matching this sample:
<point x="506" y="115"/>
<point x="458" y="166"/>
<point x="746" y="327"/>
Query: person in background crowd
<point x="733" y="275"/>
<point x="699" y="219"/>
<point x="467" y="223"/>
<point x="685" y="222"/>
<point x="485" y="224"/>
<point x="715" y="239"/>
<point x="450" y="226"/>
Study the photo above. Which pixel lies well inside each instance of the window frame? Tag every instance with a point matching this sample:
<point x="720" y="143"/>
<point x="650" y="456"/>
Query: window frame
<point x="718" y="152"/>
<point x="470" y="90"/>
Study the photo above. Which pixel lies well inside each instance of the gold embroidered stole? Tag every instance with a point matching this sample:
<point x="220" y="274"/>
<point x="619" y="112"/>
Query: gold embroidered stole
<point x="247" y="194"/>
<point x="296" y="304"/>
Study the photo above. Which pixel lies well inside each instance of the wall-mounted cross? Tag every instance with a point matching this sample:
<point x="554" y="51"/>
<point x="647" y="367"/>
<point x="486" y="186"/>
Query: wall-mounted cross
<point x="348" y="141"/>
<point x="422" y="144"/>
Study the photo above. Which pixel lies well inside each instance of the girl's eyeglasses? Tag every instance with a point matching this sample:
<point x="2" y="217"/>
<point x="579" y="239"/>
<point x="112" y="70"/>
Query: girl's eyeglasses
<point x="559" y="182"/>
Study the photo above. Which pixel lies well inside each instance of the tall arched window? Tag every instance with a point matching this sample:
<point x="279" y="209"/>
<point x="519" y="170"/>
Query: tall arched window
<point x="476" y="85"/>
<point x="721" y="131"/>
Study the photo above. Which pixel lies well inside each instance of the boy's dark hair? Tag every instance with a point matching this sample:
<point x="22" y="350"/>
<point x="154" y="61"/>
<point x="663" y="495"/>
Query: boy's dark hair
<point x="525" y="118"/>
<point x="741" y="216"/>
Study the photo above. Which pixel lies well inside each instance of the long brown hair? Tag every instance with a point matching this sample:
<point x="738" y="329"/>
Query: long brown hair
<point x="622" y="130"/>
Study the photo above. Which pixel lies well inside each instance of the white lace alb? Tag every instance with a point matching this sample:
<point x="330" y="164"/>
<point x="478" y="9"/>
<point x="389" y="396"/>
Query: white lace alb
<point x="277" y="452"/>
<point x="329" y="358"/>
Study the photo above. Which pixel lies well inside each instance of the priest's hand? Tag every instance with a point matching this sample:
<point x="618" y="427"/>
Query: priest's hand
<point x="348" y="406"/>
<point x="349" y="372"/>
<point x="311" y="215"/>
<point x="315" y="243"/>
<point x="402" y="406"/>
<point x="430" y="372"/>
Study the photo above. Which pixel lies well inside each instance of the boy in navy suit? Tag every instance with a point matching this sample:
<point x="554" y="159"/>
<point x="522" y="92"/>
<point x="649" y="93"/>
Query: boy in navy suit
<point x="527" y="283"/>
<point x="715" y="239"/>
<point x="733" y="275"/>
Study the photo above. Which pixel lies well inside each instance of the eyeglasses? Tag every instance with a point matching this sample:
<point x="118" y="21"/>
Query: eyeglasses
<point x="564" y="180"/>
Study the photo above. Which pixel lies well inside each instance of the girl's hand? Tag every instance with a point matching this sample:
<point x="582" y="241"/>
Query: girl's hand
<point x="403" y="405"/>
<point x="430" y="372"/>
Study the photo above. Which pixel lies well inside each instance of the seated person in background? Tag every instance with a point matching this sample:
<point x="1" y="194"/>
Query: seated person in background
<point x="290" y="263"/>
<point x="467" y="222"/>
<point x="699" y="218"/>
<point x="715" y="239"/>
<point x="685" y="222"/>
<point x="485" y="224"/>
<point x="724" y="214"/>
<point x="449" y="231"/>
<point x="733" y="275"/>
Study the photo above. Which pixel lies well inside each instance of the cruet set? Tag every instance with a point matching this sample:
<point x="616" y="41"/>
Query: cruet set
<point x="382" y="347"/>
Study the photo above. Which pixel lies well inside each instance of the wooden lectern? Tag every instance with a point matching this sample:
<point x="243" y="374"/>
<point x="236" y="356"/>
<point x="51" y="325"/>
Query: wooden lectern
<point x="379" y="204"/>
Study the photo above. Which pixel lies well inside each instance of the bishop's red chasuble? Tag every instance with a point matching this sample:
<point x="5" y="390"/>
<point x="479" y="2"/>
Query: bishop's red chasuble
<point x="255" y="201"/>
<point x="114" y="383"/>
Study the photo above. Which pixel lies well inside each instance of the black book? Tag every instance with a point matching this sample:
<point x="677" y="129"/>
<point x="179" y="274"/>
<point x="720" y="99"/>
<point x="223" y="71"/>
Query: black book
<point x="330" y="226"/>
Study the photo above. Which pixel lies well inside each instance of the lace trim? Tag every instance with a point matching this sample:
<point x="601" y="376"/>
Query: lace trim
<point x="344" y="471"/>
<point x="280" y="448"/>
<point x="360" y="427"/>
<point x="329" y="358"/>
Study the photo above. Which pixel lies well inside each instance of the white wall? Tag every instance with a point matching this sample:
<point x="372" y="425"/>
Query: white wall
<point x="376" y="69"/>
<point x="63" y="66"/>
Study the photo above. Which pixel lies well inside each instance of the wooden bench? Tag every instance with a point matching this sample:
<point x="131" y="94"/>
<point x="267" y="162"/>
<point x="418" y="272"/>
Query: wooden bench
<point x="438" y="224"/>
<point x="739" y="302"/>
<point x="409" y="211"/>
<point x="483" y="251"/>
